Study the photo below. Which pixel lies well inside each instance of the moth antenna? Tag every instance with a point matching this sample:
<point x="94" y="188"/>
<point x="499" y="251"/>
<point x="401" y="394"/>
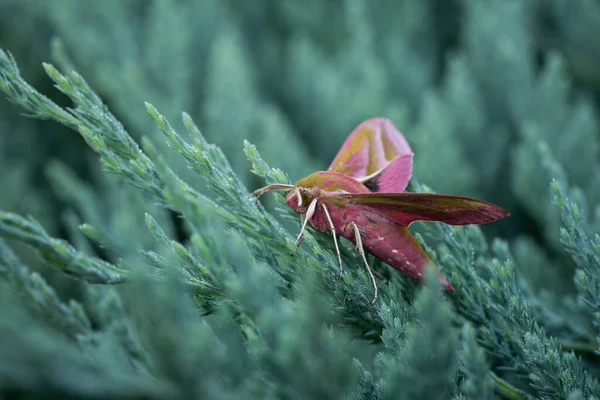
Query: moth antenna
<point x="337" y="249"/>
<point x="309" y="214"/>
<point x="361" y="251"/>
<point x="366" y="178"/>
<point x="276" y="187"/>
<point x="258" y="197"/>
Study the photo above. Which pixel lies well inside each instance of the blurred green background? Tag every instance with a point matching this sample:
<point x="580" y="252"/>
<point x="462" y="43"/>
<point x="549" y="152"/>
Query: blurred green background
<point x="475" y="86"/>
<point x="480" y="88"/>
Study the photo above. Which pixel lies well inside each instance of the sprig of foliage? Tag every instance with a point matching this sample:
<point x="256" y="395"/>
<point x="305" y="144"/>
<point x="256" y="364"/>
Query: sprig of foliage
<point x="145" y="169"/>
<point x="507" y="326"/>
<point x="115" y="147"/>
<point x="58" y="253"/>
<point x="426" y="362"/>
<point x="488" y="294"/>
<point x="577" y="237"/>
<point x="37" y="360"/>
<point x="478" y="383"/>
<point x="71" y="317"/>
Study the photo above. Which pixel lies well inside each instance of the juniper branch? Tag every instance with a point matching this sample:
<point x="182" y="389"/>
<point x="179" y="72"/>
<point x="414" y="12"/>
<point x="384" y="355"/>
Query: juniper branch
<point x="58" y="253"/>
<point x="507" y="326"/>
<point x="72" y="317"/>
<point x="427" y="359"/>
<point x="584" y="250"/>
<point x="122" y="156"/>
<point x="118" y="152"/>
<point x="261" y="231"/>
<point x="41" y="361"/>
<point x="478" y="383"/>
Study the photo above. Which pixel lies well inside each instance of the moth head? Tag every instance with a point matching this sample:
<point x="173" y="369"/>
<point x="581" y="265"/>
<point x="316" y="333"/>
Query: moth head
<point x="298" y="199"/>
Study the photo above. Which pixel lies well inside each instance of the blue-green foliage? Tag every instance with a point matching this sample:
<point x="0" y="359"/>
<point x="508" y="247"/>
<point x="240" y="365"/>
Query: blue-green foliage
<point x="134" y="263"/>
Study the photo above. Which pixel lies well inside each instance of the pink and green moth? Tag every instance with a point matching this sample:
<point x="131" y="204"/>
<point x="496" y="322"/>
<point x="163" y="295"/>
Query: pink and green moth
<point x="361" y="197"/>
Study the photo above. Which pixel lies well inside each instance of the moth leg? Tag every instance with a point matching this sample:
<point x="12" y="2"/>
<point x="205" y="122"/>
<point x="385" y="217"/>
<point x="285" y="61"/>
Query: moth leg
<point x="337" y="249"/>
<point x="299" y="240"/>
<point x="302" y="218"/>
<point x="309" y="214"/>
<point x="360" y="249"/>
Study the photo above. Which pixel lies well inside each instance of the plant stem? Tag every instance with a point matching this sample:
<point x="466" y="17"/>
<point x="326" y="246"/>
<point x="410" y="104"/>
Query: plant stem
<point x="507" y="390"/>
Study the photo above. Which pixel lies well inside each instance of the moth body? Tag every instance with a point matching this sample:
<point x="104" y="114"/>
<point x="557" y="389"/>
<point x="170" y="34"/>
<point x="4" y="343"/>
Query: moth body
<point x="381" y="237"/>
<point x="362" y="197"/>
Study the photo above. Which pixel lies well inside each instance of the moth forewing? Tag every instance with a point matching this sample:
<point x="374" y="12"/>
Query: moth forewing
<point x="406" y="208"/>
<point x="370" y="149"/>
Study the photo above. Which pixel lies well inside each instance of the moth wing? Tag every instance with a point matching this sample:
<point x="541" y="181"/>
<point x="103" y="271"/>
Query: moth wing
<point x="411" y="259"/>
<point x="376" y="154"/>
<point x="413" y="253"/>
<point x="406" y="208"/>
<point x="393" y="178"/>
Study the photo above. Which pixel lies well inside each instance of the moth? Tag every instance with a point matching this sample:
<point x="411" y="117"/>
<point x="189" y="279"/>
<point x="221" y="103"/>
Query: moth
<point x="361" y="197"/>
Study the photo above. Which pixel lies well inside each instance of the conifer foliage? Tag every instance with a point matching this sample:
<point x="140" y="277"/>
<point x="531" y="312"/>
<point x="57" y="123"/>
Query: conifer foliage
<point x="134" y="262"/>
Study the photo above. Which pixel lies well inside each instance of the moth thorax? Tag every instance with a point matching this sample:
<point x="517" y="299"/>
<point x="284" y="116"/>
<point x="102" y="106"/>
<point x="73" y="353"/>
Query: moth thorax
<point x="299" y="199"/>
